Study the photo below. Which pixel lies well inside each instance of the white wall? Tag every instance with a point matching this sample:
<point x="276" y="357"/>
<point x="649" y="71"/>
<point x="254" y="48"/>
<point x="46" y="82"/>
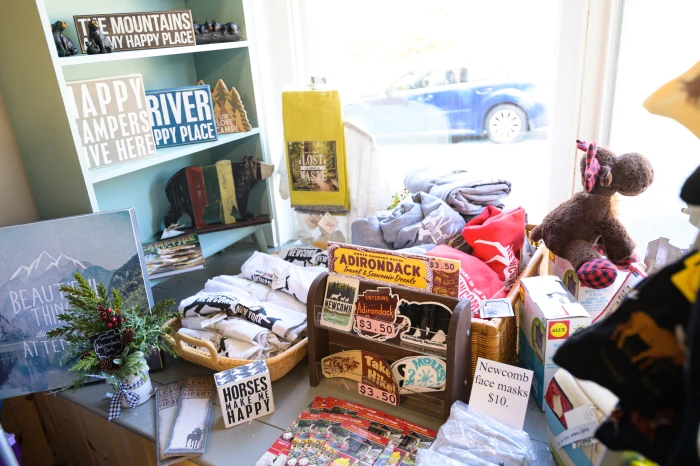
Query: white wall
<point x="277" y="68"/>
<point x="16" y="199"/>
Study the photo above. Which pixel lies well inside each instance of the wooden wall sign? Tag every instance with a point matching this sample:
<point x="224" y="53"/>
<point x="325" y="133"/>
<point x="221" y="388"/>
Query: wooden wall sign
<point x="139" y="31"/>
<point x="231" y="117"/>
<point x="112" y="119"/>
<point x="182" y="116"/>
<point x="225" y="184"/>
<point x="431" y="274"/>
<point x="245" y="393"/>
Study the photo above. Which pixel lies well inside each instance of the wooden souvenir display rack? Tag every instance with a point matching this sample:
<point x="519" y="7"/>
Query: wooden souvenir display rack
<point x="325" y="341"/>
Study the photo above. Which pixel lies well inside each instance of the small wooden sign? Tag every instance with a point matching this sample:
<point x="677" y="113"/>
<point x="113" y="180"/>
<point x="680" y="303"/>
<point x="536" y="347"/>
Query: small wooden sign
<point x="139" y="31"/>
<point x="112" y="119"/>
<point x="432" y="274"/>
<point x="107" y="344"/>
<point x="231" y="117"/>
<point x="245" y="393"/>
<point x="182" y="116"/>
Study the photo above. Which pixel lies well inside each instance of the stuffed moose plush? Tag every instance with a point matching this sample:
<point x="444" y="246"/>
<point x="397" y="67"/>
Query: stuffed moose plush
<point x="573" y="229"/>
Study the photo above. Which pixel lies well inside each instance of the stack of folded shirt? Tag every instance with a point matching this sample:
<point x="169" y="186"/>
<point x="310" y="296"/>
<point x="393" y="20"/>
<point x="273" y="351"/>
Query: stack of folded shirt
<point x="277" y="273"/>
<point x="252" y="329"/>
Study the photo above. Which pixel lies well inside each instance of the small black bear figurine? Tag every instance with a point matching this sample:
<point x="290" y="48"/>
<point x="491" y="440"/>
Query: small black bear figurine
<point x="231" y="28"/>
<point x="200" y="28"/>
<point x="64" y="45"/>
<point x="212" y="26"/>
<point x="99" y="43"/>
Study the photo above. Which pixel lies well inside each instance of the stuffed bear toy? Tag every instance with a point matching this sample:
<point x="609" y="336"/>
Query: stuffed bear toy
<point x="573" y="229"/>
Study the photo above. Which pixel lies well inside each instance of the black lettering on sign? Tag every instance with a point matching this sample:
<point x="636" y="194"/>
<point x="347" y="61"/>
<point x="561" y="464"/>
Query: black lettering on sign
<point x="107" y="344"/>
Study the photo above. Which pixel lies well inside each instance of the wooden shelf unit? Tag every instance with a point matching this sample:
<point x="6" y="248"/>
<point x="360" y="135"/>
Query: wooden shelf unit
<point x="33" y="85"/>
<point x="325" y="341"/>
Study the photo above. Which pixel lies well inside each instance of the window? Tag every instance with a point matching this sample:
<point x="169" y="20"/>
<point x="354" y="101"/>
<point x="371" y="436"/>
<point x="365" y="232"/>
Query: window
<point x="658" y="43"/>
<point x="462" y="84"/>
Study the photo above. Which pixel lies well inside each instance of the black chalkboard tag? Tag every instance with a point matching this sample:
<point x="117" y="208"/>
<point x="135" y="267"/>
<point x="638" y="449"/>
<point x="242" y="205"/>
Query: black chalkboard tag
<point x="107" y="344"/>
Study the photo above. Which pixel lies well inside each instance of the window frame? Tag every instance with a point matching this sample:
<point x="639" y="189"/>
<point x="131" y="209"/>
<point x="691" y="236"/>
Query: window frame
<point x="588" y="37"/>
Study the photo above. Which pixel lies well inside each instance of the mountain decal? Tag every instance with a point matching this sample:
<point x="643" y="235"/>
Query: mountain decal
<point x="43" y="263"/>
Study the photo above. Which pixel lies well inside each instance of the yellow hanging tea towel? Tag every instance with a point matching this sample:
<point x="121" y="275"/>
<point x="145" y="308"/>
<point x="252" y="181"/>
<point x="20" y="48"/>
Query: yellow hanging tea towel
<point x="315" y="144"/>
<point x="679" y="99"/>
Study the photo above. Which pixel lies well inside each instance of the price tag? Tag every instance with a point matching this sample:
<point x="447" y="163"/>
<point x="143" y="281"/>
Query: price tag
<point x="501" y="391"/>
<point x="444" y="265"/>
<point x="278" y="282"/>
<point x="311" y="221"/>
<point x="212" y="320"/>
<point x="580" y="432"/>
<point x="328" y="223"/>
<point x="377" y="394"/>
<point x="490" y="308"/>
<point x="376" y="326"/>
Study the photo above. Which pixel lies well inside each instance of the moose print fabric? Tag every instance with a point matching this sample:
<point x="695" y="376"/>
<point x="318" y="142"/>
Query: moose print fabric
<point x="283" y="322"/>
<point x="227" y="283"/>
<point x="638" y="353"/>
<point x="279" y="274"/>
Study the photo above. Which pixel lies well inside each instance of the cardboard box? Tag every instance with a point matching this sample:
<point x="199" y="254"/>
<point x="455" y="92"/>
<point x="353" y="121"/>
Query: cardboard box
<point x="550" y="316"/>
<point x="245" y="393"/>
<point x="593" y="300"/>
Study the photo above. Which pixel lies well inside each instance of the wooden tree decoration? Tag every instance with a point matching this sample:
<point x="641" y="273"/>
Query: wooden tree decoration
<point x="230" y="115"/>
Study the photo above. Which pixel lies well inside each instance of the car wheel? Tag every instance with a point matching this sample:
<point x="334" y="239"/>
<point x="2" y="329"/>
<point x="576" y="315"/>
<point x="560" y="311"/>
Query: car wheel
<point x="506" y="123"/>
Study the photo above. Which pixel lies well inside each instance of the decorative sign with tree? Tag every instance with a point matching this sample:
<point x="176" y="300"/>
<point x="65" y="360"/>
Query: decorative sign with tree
<point x="230" y="115"/>
<point x="313" y="165"/>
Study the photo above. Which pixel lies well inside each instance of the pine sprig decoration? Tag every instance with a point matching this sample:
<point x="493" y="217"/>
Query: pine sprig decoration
<point x="93" y="312"/>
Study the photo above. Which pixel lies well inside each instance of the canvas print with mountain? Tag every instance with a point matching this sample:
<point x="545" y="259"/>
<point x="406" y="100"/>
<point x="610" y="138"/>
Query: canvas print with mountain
<point x="39" y="257"/>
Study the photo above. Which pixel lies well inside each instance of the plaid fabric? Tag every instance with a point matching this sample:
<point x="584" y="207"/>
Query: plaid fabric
<point x="599" y="249"/>
<point x="592" y="164"/>
<point x="597" y="273"/>
<point x="626" y="263"/>
<point x="132" y="398"/>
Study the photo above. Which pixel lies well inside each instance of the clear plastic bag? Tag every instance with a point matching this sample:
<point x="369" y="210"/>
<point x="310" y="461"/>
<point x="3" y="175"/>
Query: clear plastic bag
<point x="474" y="439"/>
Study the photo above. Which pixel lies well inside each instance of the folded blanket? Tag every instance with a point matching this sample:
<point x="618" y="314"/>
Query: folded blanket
<point x="467" y="192"/>
<point x="421" y="219"/>
<point x="283" y="322"/>
<point x="266" y="269"/>
<point x="226" y="283"/>
<point x="227" y="347"/>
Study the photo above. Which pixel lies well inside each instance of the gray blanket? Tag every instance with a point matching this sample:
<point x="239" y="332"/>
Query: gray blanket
<point x="421" y="219"/>
<point x="466" y="192"/>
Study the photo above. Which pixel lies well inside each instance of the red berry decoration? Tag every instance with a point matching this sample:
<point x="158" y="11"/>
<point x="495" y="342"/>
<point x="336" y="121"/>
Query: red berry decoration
<point x="110" y="325"/>
<point x="109" y="310"/>
<point x="121" y="319"/>
<point x="103" y="316"/>
<point x="112" y="319"/>
<point x="101" y="308"/>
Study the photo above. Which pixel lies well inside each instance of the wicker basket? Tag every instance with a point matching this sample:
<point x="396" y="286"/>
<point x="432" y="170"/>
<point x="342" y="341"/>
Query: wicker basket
<point x="206" y="355"/>
<point x="497" y="339"/>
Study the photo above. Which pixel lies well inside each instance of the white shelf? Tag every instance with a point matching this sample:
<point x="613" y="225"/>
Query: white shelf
<point x="116" y="56"/>
<point x="164" y="155"/>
